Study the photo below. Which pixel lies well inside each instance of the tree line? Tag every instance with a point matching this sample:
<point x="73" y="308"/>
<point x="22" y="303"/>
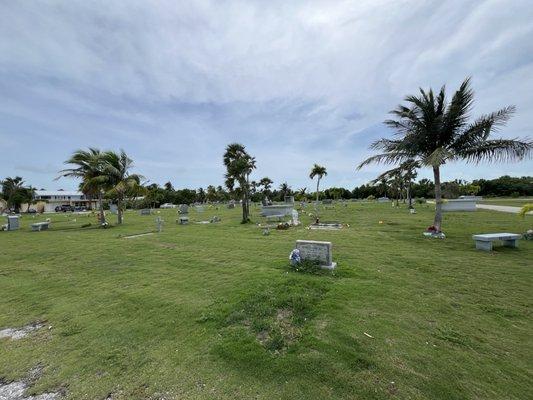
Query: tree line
<point x="430" y="131"/>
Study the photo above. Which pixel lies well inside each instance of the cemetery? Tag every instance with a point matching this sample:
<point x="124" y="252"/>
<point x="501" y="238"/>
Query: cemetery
<point x="266" y="200"/>
<point x="170" y="298"/>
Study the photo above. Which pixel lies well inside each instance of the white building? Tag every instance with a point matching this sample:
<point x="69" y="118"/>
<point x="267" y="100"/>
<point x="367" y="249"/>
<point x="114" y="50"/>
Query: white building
<point x="54" y="198"/>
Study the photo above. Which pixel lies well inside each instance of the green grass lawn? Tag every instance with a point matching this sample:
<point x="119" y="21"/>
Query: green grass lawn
<point x="213" y="311"/>
<point x="507" y="201"/>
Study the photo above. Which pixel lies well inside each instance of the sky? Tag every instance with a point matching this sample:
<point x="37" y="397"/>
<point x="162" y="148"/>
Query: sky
<point x="297" y="82"/>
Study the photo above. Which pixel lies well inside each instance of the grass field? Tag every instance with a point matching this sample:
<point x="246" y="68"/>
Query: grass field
<point x="212" y="311"/>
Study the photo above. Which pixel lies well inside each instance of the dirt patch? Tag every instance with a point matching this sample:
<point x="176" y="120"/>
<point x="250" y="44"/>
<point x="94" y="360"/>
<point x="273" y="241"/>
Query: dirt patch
<point x="19" y="333"/>
<point x="17" y="390"/>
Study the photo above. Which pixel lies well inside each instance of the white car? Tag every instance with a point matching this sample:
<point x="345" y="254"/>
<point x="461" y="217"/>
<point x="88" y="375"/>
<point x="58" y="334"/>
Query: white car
<point x="168" y="205"/>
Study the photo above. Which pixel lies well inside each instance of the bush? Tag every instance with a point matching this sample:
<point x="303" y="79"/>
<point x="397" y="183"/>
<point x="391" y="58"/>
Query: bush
<point x="420" y="200"/>
<point x="514" y="195"/>
<point x="371" y="197"/>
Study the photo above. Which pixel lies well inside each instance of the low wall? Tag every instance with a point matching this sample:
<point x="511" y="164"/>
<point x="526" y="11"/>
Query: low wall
<point x="459" y="205"/>
<point x="277" y="209"/>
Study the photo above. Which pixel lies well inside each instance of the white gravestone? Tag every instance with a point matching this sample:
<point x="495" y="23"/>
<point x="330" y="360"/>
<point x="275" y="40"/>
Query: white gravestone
<point x="295" y="220"/>
<point x="316" y="251"/>
<point x="13" y="222"/>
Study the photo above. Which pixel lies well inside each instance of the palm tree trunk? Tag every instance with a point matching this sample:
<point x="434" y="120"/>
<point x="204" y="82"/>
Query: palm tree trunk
<point x="317" y="185"/>
<point x="101" y="205"/>
<point x="409" y="199"/>
<point x="119" y="210"/>
<point x="438" y="199"/>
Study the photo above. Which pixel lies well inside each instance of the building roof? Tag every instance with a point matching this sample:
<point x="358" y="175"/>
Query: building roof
<point x="58" y="193"/>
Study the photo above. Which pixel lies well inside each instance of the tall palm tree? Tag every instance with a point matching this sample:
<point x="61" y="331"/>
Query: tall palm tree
<point x="88" y="165"/>
<point x="119" y="181"/>
<point x="433" y="131"/>
<point x="239" y="165"/>
<point x="318" y="171"/>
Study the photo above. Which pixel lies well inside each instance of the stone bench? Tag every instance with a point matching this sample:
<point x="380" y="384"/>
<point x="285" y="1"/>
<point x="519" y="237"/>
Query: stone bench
<point x="40" y="226"/>
<point x="484" y="241"/>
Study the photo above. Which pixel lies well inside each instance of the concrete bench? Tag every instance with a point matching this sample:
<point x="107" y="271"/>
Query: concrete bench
<point x="40" y="226"/>
<point x="484" y="242"/>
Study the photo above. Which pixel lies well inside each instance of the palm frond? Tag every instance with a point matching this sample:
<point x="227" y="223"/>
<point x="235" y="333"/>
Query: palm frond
<point x="385" y="158"/>
<point x="498" y="150"/>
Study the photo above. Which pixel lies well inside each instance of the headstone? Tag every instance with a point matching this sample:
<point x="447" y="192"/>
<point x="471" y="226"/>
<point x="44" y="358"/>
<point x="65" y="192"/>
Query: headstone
<point x="289" y="199"/>
<point x="113" y="208"/>
<point x="13" y="222"/>
<point x="327" y="201"/>
<point x="295" y="220"/>
<point x="199" y="209"/>
<point x="316" y="251"/>
<point x="231" y="204"/>
<point x="383" y="200"/>
<point x="183" y="220"/>
<point x="159" y="224"/>
<point x="145" y="211"/>
<point x="184" y="209"/>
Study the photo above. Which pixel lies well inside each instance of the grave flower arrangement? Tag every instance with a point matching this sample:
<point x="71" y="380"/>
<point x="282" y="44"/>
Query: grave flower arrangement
<point x="432" y="231"/>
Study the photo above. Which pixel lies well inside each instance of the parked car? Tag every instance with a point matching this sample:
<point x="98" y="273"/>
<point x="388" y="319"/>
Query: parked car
<point x="168" y="205"/>
<point x="80" y="208"/>
<point x="64" y="208"/>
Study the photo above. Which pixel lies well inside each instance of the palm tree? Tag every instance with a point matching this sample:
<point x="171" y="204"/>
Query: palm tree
<point x="88" y="165"/>
<point x="401" y="178"/>
<point x="239" y="165"/>
<point x="119" y="181"/>
<point x="13" y="191"/>
<point x="266" y="182"/>
<point x="29" y="196"/>
<point x="433" y="131"/>
<point x="318" y="171"/>
<point x="285" y="190"/>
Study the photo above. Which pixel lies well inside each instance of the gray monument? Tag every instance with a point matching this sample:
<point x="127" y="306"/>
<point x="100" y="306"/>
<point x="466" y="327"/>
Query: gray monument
<point x="316" y="251"/>
<point x="13" y="222"/>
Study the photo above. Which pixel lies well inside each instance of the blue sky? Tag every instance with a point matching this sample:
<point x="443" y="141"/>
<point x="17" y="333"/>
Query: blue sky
<point x="297" y="82"/>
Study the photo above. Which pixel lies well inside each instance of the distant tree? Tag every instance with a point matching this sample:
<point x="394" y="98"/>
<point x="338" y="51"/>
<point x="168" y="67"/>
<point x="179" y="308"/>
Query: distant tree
<point x="168" y="187"/>
<point x="200" y="195"/>
<point x="432" y="131"/>
<point x="318" y="171"/>
<point x="14" y="192"/>
<point x="120" y="182"/>
<point x="400" y="179"/>
<point x="285" y="190"/>
<point x="239" y="165"/>
<point x="211" y="194"/>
